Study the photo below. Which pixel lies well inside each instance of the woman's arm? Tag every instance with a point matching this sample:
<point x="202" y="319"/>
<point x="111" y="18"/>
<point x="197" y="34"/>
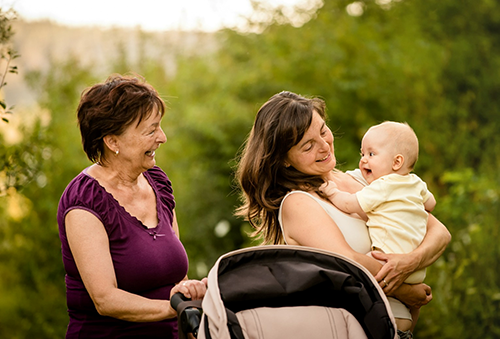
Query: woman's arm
<point x="400" y="266"/>
<point x="306" y="223"/>
<point x="89" y="245"/>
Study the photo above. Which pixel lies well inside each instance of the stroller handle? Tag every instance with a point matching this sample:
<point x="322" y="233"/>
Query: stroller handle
<point x="189" y="316"/>
<point x="178" y="298"/>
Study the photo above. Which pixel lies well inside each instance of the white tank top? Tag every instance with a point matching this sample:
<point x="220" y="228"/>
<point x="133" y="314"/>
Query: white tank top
<point x="354" y="230"/>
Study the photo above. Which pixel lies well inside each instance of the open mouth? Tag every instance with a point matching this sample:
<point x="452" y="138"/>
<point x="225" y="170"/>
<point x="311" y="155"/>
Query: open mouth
<point x="150" y="153"/>
<point x="325" y="158"/>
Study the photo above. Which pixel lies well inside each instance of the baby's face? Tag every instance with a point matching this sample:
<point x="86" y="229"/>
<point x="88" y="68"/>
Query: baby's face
<point x="376" y="155"/>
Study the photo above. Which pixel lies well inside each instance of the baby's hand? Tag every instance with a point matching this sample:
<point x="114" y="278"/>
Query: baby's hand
<point x="328" y="188"/>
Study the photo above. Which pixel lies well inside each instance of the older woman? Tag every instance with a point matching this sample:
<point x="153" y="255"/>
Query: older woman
<point x="287" y="157"/>
<point x="117" y="225"/>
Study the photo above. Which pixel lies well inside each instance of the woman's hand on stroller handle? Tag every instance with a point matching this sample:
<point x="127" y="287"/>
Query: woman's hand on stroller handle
<point x="189" y="315"/>
<point x="192" y="289"/>
<point x="189" y="289"/>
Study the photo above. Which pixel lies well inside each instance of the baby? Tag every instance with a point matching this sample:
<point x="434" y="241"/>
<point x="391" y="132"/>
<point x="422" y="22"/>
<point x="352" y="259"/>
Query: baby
<point x="395" y="203"/>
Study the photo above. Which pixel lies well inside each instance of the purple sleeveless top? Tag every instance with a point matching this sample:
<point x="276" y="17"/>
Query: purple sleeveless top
<point x="147" y="262"/>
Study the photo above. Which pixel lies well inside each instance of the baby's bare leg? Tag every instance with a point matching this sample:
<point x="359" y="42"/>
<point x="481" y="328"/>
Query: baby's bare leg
<point x="404" y="324"/>
<point x="415" y="312"/>
<point x="371" y="256"/>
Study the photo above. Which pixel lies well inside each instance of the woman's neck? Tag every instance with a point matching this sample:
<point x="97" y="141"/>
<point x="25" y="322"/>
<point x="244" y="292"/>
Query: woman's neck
<point x="109" y="176"/>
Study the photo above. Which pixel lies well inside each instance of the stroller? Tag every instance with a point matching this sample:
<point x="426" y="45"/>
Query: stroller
<point x="283" y="291"/>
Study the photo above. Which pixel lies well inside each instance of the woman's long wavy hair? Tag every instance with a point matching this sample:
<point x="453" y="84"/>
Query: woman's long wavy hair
<point x="261" y="174"/>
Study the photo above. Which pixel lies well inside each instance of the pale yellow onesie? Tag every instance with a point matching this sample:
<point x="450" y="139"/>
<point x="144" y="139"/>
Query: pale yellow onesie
<point x="397" y="219"/>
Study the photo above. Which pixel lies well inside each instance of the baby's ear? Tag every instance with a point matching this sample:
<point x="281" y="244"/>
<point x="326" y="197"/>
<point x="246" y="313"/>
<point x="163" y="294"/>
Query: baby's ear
<point x="398" y="162"/>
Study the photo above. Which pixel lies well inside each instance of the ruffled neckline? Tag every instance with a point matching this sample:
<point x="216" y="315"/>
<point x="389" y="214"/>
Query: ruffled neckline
<point x="111" y="198"/>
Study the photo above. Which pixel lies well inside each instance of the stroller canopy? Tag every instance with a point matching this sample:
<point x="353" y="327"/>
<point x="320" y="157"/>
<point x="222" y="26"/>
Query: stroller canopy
<point x="278" y="276"/>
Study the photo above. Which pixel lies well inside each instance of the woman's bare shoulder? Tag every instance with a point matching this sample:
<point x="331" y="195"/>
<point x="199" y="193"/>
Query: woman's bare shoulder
<point x="295" y="198"/>
<point x="303" y="206"/>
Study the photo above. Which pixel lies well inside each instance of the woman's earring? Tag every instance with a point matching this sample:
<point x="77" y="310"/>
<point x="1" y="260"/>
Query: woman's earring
<point x="116" y="152"/>
<point x="287" y="165"/>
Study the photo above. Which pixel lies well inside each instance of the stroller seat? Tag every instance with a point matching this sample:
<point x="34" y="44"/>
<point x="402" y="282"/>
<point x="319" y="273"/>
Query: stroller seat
<point x="299" y="322"/>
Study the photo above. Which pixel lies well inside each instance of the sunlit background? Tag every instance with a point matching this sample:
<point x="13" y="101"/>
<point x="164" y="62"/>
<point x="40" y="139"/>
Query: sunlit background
<point x="93" y="30"/>
<point x="150" y="15"/>
<point x="434" y="64"/>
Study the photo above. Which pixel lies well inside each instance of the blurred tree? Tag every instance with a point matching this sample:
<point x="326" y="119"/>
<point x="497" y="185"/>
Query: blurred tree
<point x="18" y="160"/>
<point x="7" y="54"/>
<point x="466" y="281"/>
<point x="34" y="302"/>
<point x="434" y="65"/>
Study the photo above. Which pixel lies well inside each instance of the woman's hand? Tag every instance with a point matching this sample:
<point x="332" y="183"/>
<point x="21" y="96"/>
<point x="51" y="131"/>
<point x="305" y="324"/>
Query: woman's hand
<point x="399" y="266"/>
<point x="192" y="289"/>
<point x="413" y="296"/>
<point x="396" y="269"/>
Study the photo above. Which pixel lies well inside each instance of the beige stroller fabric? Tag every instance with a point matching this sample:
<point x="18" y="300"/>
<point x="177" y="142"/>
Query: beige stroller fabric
<point x="279" y="323"/>
<point x="283" y="322"/>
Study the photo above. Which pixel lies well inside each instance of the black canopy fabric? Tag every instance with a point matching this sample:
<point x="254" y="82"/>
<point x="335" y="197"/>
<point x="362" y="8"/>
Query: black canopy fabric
<point x="280" y="276"/>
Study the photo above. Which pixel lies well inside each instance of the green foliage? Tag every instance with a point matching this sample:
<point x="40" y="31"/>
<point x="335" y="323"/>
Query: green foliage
<point x="7" y="54"/>
<point x="17" y="163"/>
<point x="35" y="306"/>
<point x="21" y="161"/>
<point x="465" y="281"/>
<point x="28" y="293"/>
<point x="432" y="64"/>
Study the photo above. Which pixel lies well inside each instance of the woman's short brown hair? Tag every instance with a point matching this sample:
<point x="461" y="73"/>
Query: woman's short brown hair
<point x="109" y="108"/>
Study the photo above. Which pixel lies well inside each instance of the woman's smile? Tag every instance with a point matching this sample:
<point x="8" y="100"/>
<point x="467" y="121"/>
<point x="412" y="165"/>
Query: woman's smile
<point x="325" y="158"/>
<point x="151" y="153"/>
